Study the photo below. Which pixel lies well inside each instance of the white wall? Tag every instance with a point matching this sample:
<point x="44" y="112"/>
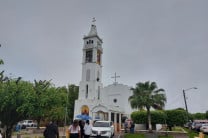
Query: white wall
<point x="121" y="93"/>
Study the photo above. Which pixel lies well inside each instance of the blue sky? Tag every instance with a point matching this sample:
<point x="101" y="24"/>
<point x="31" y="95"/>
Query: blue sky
<point x="147" y="40"/>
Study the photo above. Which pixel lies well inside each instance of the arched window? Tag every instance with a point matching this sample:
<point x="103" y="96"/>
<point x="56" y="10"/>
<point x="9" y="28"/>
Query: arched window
<point x="98" y="76"/>
<point x="86" y="94"/>
<point x="85" y="110"/>
<point x="98" y="92"/>
<point x="88" y="56"/>
<point x="88" y="75"/>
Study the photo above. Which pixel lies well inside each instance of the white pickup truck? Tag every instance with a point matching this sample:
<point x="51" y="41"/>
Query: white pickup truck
<point x="28" y="123"/>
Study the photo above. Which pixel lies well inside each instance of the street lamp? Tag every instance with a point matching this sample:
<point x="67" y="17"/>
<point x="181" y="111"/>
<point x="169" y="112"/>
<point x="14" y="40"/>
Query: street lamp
<point x="184" y="96"/>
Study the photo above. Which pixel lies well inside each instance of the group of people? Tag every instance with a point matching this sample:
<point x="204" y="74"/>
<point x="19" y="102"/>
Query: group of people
<point x="80" y="129"/>
<point x="129" y="125"/>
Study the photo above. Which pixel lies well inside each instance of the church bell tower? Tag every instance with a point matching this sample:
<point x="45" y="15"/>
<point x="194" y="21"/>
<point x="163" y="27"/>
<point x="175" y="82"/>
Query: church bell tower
<point x="90" y="84"/>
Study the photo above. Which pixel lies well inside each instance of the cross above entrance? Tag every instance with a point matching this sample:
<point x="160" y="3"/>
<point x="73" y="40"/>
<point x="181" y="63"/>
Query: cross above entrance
<point x="115" y="76"/>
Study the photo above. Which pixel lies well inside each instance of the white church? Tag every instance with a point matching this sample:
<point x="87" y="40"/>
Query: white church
<point x="98" y="102"/>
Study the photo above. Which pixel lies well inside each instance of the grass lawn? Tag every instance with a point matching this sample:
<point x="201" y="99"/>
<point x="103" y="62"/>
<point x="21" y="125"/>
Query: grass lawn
<point x="165" y="136"/>
<point x="193" y="134"/>
<point x="127" y="135"/>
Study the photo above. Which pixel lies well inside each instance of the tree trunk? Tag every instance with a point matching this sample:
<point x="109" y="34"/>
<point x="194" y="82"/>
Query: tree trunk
<point x="149" y="120"/>
<point x="38" y="123"/>
<point x="8" y="132"/>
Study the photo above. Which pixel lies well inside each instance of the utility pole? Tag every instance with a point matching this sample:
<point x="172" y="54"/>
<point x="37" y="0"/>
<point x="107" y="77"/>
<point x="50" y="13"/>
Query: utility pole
<point x="184" y="96"/>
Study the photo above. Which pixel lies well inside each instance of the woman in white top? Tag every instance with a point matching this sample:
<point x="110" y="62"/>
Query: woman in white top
<point x="74" y="130"/>
<point x="87" y="129"/>
<point x="0" y="134"/>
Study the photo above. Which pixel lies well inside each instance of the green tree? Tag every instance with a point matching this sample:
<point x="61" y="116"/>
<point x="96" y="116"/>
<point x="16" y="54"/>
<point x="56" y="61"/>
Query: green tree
<point x="147" y="95"/>
<point x="47" y="102"/>
<point x="199" y="116"/>
<point x="73" y="91"/>
<point x="39" y="102"/>
<point x="1" y="61"/>
<point x="206" y="114"/>
<point x="56" y="103"/>
<point x="176" y="117"/>
<point x="13" y="97"/>
<point x="158" y="117"/>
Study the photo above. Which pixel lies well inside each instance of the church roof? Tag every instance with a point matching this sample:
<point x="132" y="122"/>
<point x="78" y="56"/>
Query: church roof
<point x="115" y="108"/>
<point x="117" y="85"/>
<point x="93" y="30"/>
<point x="106" y="107"/>
<point x="93" y="33"/>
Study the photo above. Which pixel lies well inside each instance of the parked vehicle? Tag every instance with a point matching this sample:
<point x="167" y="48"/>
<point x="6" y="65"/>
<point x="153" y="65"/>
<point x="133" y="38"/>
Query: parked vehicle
<point x="197" y="124"/>
<point x="204" y="128"/>
<point x="20" y="126"/>
<point x="103" y="128"/>
<point x="27" y="123"/>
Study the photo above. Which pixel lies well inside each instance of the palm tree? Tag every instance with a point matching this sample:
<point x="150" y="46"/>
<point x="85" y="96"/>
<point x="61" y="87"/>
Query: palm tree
<point x="147" y="95"/>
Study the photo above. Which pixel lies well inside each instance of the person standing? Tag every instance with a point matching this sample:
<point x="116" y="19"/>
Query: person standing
<point x="132" y="125"/>
<point x="51" y="131"/>
<point x="87" y="129"/>
<point x="81" y="125"/>
<point x="0" y="134"/>
<point x="74" y="130"/>
<point x="126" y="126"/>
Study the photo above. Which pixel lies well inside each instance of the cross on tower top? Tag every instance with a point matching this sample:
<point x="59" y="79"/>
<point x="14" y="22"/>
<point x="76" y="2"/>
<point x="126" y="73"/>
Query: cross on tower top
<point x="93" y="20"/>
<point x="115" y="76"/>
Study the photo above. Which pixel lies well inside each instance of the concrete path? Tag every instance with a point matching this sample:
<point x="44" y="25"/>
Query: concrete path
<point x="154" y="135"/>
<point x="150" y="135"/>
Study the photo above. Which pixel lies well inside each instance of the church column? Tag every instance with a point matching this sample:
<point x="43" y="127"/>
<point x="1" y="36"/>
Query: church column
<point x="92" y="115"/>
<point x="115" y="121"/>
<point x="109" y="115"/>
<point x="120" y="121"/>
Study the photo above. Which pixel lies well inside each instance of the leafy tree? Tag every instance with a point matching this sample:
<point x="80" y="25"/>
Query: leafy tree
<point x="39" y="101"/>
<point x="140" y="117"/>
<point x="47" y="102"/>
<point x="176" y="117"/>
<point x="73" y="91"/>
<point x="206" y="114"/>
<point x="1" y="61"/>
<point x="199" y="116"/>
<point x="147" y="95"/>
<point x="13" y="94"/>
<point x="56" y="103"/>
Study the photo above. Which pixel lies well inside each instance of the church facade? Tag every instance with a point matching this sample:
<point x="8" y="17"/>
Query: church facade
<point x="94" y="100"/>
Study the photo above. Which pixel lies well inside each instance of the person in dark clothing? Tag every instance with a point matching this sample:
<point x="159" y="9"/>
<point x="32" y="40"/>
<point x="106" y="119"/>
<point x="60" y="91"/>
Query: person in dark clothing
<point x="81" y="125"/>
<point x="51" y="131"/>
<point x="132" y="125"/>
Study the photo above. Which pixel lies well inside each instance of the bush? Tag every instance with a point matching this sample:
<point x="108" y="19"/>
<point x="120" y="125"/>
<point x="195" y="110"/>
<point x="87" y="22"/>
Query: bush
<point x="157" y="117"/>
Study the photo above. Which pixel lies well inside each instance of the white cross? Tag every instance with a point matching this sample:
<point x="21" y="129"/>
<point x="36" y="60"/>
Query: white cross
<point x="93" y="21"/>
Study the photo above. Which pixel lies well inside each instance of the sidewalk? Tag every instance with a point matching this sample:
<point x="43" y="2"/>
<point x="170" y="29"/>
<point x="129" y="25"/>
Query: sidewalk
<point x="31" y="134"/>
<point x="154" y="135"/>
